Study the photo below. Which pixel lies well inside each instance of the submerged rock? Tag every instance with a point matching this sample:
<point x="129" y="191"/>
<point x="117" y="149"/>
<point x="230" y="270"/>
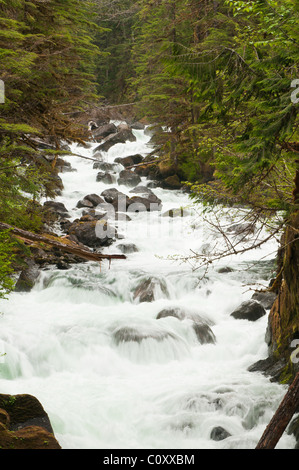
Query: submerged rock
<point x="127" y="247"/>
<point x="150" y="289"/>
<point x="27" y="278"/>
<point x="106" y="167"/>
<point x="126" y="334"/>
<point x="242" y="229"/>
<point x="201" y="327"/>
<point x="250" y="310"/>
<point x="177" y="212"/>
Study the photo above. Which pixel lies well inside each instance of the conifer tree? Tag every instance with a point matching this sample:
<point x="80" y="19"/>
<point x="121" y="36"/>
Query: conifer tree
<point x="47" y="64"/>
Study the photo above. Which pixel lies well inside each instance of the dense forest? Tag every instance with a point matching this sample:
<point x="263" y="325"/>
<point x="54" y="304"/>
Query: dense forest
<point x="220" y="76"/>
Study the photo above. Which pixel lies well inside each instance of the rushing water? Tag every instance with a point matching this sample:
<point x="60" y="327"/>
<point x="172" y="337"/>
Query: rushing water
<point x="168" y="390"/>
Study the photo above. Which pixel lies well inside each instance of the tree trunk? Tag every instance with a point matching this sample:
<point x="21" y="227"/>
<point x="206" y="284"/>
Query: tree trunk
<point x="65" y="245"/>
<point x="281" y="418"/>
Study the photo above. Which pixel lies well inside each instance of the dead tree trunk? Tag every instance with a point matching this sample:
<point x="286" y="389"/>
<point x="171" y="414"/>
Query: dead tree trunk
<point x="65" y="245"/>
<point x="281" y="418"/>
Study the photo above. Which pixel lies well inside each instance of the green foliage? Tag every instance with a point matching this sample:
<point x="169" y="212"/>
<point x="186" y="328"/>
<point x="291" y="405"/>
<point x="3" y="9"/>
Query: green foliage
<point x="115" y="40"/>
<point x="6" y="259"/>
<point x="48" y="56"/>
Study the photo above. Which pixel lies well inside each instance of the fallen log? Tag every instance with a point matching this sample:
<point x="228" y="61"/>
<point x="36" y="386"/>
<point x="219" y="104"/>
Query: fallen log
<point x="67" y="245"/>
<point x="287" y="408"/>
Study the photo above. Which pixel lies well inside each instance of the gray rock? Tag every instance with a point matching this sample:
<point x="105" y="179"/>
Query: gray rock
<point x="149" y="289"/>
<point x="219" y="433"/>
<point x="224" y="270"/>
<point x="177" y="212"/>
<point x="129" y="334"/>
<point x="127" y="248"/>
<point x="130" y="160"/>
<point x="57" y="207"/>
<point x="93" y="234"/>
<point x="249" y="310"/>
<point x="201" y="327"/>
<point x="146" y="193"/>
<point x="116" y="198"/>
<point x="143" y="204"/>
<point x="128" y="178"/>
<point x="265" y="298"/>
<point x="120" y="137"/>
<point x="107" y="167"/>
<point x="138" y="125"/>
<point x="84" y="203"/>
<point x="27" y="278"/>
<point x="95" y="199"/>
<point x="103" y="131"/>
<point x="105" y="178"/>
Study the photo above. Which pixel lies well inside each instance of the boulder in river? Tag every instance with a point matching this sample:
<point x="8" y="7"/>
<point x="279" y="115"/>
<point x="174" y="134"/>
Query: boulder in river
<point x="128" y="178"/>
<point x="95" y="199"/>
<point x="201" y="327"/>
<point x="105" y="177"/>
<point x="127" y="248"/>
<point x="93" y="234"/>
<point x="219" y="433"/>
<point x="27" y="278"/>
<point x="143" y="204"/>
<point x="249" y="310"/>
<point x="104" y="131"/>
<point x="130" y="160"/>
<point x="107" y="167"/>
<point x="265" y="298"/>
<point x="84" y="203"/>
<point x="56" y="207"/>
<point x="150" y="289"/>
<point x="24" y="424"/>
<point x="119" y="137"/>
<point x="176" y="212"/>
<point x="147" y="193"/>
<point x="116" y="198"/>
<point x="127" y="334"/>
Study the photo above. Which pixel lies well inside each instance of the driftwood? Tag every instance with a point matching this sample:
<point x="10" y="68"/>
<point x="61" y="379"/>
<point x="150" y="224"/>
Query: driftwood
<point x="287" y="408"/>
<point x="66" y="245"/>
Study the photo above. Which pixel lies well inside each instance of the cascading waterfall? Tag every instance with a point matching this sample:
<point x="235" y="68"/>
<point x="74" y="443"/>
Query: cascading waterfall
<point x="110" y="372"/>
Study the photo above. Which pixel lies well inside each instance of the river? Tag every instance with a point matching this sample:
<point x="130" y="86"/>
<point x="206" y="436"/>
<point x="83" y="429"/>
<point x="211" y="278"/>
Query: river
<point x="166" y="391"/>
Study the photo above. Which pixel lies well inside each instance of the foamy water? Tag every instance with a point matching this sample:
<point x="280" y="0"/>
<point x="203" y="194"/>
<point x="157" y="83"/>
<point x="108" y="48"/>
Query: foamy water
<point x="167" y="390"/>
